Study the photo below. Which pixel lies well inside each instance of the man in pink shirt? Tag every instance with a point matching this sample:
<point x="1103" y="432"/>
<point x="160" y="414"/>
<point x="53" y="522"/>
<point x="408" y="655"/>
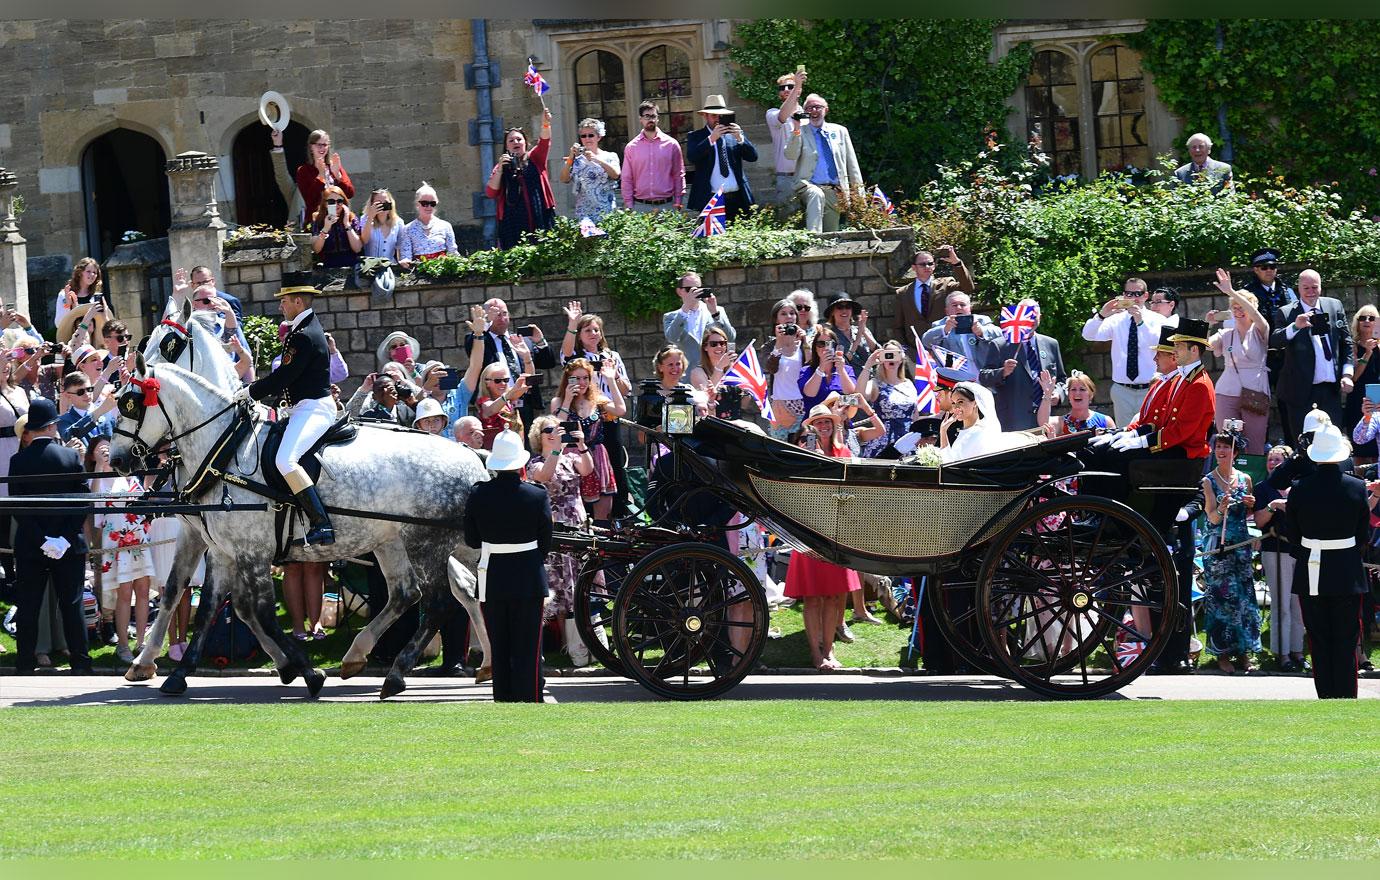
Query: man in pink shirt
<point x="653" y="169"/>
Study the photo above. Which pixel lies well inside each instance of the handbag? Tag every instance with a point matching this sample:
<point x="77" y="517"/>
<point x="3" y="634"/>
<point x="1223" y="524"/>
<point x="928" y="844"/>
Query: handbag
<point x="1253" y="402"/>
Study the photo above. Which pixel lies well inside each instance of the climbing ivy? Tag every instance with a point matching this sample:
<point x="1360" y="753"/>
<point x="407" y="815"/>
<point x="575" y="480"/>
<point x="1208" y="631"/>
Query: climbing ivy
<point x="1302" y="96"/>
<point x="914" y="93"/>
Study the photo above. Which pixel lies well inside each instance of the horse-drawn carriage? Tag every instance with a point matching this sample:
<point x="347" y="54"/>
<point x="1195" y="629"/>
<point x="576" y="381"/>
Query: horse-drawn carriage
<point x="1070" y="595"/>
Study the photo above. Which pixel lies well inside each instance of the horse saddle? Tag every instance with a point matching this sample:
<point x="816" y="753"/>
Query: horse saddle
<point x="343" y="431"/>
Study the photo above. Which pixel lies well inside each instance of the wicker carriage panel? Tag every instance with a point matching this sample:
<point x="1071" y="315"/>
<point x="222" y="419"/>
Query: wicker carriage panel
<point x="890" y="521"/>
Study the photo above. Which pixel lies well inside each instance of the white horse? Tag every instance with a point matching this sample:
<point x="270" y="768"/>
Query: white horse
<point x="189" y="340"/>
<point x="396" y="494"/>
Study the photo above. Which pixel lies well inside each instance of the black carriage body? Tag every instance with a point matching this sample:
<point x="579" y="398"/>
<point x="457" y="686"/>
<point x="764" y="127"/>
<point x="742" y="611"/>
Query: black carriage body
<point x="871" y="515"/>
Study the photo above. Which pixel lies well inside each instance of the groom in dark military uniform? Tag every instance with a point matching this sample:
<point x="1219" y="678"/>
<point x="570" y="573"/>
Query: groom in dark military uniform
<point x="1327" y="516"/>
<point x="509" y="522"/>
<point x="303" y="379"/>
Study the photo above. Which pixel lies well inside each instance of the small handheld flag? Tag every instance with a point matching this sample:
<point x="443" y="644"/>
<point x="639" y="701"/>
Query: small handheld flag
<point x="925" y="383"/>
<point x="746" y="373"/>
<point x="711" y="219"/>
<point x="536" y="81"/>
<point x="882" y="201"/>
<point x="1018" y="322"/>
<point x="950" y="360"/>
<point x="588" y="228"/>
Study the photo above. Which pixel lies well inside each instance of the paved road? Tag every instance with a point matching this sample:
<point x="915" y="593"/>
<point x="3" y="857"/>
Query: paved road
<point x="110" y="690"/>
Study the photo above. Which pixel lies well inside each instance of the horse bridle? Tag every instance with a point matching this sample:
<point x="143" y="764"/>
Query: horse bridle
<point x="135" y="402"/>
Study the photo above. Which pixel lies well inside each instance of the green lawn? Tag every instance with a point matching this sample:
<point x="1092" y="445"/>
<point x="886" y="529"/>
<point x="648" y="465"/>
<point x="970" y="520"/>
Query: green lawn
<point x="766" y="779"/>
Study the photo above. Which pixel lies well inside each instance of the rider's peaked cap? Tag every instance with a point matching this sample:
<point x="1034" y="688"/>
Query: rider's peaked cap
<point x="299" y="284"/>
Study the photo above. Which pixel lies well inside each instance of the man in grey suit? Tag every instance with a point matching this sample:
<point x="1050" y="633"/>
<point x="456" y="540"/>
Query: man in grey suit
<point x="684" y="328"/>
<point x="961" y="336"/>
<point x="1012" y="371"/>
<point x="825" y="179"/>
<point x="1317" y="366"/>
<point x="1203" y="168"/>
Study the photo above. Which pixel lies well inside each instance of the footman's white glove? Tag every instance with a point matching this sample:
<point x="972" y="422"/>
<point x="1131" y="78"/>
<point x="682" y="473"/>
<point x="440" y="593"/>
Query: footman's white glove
<point x="1128" y="442"/>
<point x="242" y="396"/>
<point x="55" y="548"/>
<point x="1104" y="439"/>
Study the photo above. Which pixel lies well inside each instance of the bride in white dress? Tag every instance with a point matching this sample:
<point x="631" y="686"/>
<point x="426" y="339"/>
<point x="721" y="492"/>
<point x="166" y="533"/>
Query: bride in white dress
<point x="971" y="408"/>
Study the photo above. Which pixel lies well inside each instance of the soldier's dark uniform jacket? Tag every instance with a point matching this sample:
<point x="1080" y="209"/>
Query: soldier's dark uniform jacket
<point x="305" y="370"/>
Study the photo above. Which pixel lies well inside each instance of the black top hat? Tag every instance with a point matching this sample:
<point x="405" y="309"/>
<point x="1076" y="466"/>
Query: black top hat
<point x="1166" y="343"/>
<point x="1264" y="255"/>
<point x="298" y="284"/>
<point x="1191" y="330"/>
<point x="840" y="299"/>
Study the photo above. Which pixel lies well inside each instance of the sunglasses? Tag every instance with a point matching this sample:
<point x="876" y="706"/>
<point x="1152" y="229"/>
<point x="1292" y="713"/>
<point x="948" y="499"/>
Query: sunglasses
<point x="335" y="201"/>
<point x="205" y="301"/>
<point x="499" y="381"/>
<point x="804" y="308"/>
<point x="1366" y="319"/>
<point x="551" y="429"/>
<point x="426" y="203"/>
<point x="787" y="87"/>
<point x="80" y="392"/>
<point x="718" y="343"/>
<point x="590" y="135"/>
<point x="1267" y="266"/>
<point x="118" y="338"/>
<point x="920" y="263"/>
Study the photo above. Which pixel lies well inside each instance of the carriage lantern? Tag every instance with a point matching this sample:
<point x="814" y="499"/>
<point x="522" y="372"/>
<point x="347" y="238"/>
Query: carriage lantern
<point x="678" y="414"/>
<point x="649" y="403"/>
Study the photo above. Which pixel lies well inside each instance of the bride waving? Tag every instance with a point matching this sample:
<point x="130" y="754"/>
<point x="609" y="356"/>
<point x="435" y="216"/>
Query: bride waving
<point x="973" y="411"/>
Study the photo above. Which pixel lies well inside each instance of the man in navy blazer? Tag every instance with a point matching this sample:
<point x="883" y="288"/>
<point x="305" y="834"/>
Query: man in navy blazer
<point x="718" y="152"/>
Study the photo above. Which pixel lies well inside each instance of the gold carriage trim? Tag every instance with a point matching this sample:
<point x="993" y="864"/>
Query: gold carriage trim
<point x="894" y="522"/>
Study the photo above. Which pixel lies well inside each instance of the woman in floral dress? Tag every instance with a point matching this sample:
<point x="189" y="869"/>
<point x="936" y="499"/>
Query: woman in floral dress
<point x="592" y="173"/>
<point x="560" y="467"/>
<point x="579" y="399"/>
<point x="1231" y="613"/>
<point x="894" y="397"/>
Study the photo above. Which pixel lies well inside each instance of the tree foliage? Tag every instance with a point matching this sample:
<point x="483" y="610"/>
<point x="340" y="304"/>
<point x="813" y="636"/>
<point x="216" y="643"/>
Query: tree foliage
<point x="914" y="93"/>
<point x="1302" y="97"/>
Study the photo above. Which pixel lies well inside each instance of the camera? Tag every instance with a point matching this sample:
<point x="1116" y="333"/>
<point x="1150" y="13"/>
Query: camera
<point x="790" y="329"/>
<point x="1320" y="323"/>
<point x="568" y="429"/>
<point x="52" y="347"/>
<point x="890" y="355"/>
<point x="704" y="293"/>
<point x="851" y="399"/>
<point x="1233" y="426"/>
<point x="385" y="206"/>
<point x="800" y="114"/>
<point x="963" y="323"/>
<point x="526" y="331"/>
<point x="728" y="118"/>
<point x="406" y="390"/>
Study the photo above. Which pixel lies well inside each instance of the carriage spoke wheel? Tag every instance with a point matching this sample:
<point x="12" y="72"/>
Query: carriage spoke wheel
<point x="595" y="591"/>
<point x="952" y="600"/>
<point x="689" y="622"/>
<point x="1077" y="597"/>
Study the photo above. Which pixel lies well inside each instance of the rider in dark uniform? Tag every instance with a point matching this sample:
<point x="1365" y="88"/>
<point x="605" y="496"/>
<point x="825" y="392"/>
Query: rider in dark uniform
<point x="303" y="380"/>
<point x="1327" y="515"/>
<point x="509" y="521"/>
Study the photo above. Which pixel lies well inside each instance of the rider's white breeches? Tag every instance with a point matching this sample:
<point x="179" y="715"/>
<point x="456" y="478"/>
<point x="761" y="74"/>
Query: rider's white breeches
<point x="308" y="421"/>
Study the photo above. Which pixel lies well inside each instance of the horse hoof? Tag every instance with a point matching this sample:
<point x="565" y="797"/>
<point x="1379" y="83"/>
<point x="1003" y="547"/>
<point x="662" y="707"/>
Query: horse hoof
<point x="140" y="673"/>
<point x="175" y="684"/>
<point x="315" y="679"/>
<point x="392" y="686"/>
<point x="287" y="676"/>
<point x="350" y="668"/>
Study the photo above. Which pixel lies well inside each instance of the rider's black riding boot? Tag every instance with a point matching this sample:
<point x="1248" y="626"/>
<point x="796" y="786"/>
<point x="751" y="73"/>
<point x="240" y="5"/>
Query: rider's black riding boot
<point x="321" y="531"/>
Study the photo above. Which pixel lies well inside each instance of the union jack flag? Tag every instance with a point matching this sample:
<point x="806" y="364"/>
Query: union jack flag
<point x="589" y="229"/>
<point x="535" y="80"/>
<point x="925" y="384"/>
<point x="949" y="360"/>
<point x="1018" y="322"/>
<point x="746" y="373"/>
<point x="1127" y="648"/>
<point x="711" y="219"/>
<point x="882" y="201"/>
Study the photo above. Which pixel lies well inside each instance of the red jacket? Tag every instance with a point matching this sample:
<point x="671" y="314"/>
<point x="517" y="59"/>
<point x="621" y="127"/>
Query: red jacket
<point x="310" y="184"/>
<point x="1192" y="408"/>
<point x="1152" y="408"/>
<point x="537" y="156"/>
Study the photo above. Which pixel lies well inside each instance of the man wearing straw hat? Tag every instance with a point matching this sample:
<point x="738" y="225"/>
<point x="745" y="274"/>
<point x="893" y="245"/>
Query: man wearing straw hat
<point x="303" y="380"/>
<point x="1327" y="516"/>
<point x="719" y="151"/>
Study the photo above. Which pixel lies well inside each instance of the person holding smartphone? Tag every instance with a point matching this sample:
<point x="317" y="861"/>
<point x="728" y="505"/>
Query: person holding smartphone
<point x="520" y="185"/>
<point x="718" y="151"/>
<point x="335" y="231"/>
<point x="1365" y="334"/>
<point x="699" y="308"/>
<point x="826" y="371"/>
<point x="381" y="230"/>
<point x="592" y="173"/>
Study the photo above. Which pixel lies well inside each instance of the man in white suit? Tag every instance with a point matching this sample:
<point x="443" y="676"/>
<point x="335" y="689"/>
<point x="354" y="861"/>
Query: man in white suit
<point x="824" y="178"/>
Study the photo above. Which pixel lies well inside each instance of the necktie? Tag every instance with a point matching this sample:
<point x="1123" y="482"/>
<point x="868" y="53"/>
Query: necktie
<point x="826" y="153"/>
<point x="1032" y="363"/>
<point x="1133" y="353"/>
<point x="924" y="298"/>
<point x="723" y="157"/>
<point x="514" y="369"/>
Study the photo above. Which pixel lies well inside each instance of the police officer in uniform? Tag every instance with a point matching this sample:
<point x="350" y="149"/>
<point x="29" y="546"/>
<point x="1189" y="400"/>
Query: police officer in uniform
<point x="1327" y="516"/>
<point x="509" y="522"/>
<point x="48" y="545"/>
<point x="1274" y="296"/>
<point x="303" y="380"/>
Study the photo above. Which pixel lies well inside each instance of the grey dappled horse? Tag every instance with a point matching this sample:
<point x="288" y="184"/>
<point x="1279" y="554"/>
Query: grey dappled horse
<point x="165" y="345"/>
<point x="413" y="475"/>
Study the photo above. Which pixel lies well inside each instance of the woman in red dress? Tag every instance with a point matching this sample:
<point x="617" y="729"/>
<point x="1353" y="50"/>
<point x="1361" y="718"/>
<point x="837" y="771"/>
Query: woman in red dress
<point x="823" y="586"/>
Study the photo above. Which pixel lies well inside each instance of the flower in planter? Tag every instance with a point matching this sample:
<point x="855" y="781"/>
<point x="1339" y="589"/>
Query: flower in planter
<point x="132" y="235"/>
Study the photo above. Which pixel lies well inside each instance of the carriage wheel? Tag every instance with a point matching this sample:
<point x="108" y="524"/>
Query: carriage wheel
<point x="690" y="621"/>
<point x="594" y="598"/>
<point x="952" y="597"/>
<point x="1067" y="578"/>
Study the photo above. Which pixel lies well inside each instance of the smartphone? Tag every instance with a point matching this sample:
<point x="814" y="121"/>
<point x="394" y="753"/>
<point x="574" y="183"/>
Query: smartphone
<point x="963" y="323"/>
<point x="728" y="118"/>
<point x="705" y="293"/>
<point x="1373" y="394"/>
<point x="800" y="114"/>
<point x="1320" y="322"/>
<point x="889" y="355"/>
<point x="526" y="331"/>
<point x="851" y="399"/>
<point x="450" y="379"/>
<point x="800" y="70"/>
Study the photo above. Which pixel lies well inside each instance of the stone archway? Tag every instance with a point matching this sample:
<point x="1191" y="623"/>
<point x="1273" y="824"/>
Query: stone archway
<point x="124" y="188"/>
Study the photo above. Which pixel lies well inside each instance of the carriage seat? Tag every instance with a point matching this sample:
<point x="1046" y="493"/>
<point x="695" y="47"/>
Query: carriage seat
<point x="343" y="431"/>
